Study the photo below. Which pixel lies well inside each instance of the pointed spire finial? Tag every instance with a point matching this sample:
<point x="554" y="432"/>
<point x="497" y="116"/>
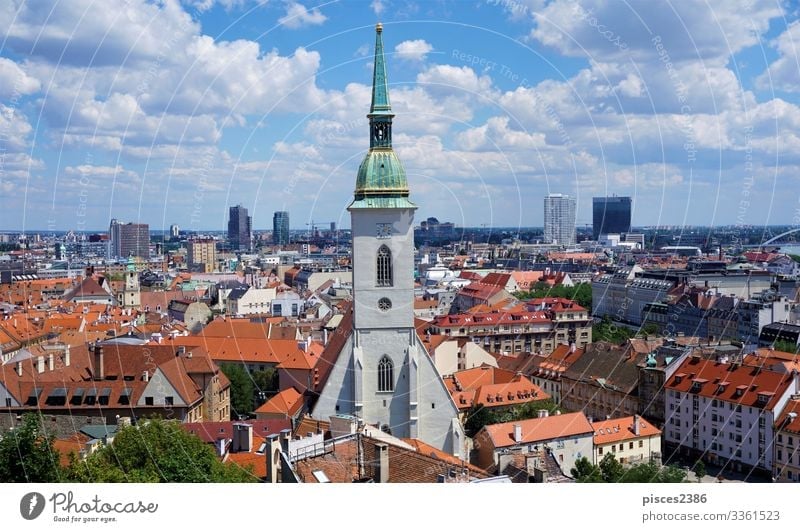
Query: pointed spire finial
<point x="380" y="91"/>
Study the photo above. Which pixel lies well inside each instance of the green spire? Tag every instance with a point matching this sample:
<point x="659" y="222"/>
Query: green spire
<point x="380" y="92"/>
<point x="381" y="180"/>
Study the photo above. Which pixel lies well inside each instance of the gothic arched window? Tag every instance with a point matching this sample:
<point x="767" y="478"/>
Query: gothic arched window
<point x="385" y="375"/>
<point x="383" y="267"/>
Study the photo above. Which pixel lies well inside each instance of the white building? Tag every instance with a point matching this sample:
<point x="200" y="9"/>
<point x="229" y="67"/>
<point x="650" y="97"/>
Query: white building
<point x="381" y="372"/>
<point x="247" y="301"/>
<point x="559" y="220"/>
<point x="725" y="412"/>
<point x="630" y="439"/>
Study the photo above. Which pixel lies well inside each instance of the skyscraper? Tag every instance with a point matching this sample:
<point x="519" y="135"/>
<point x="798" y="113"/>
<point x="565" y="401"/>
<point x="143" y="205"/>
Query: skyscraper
<point x="559" y="220"/>
<point x="611" y="215"/>
<point x="382" y="373"/>
<point x="280" y="228"/>
<point x="128" y="239"/>
<point x="240" y="229"/>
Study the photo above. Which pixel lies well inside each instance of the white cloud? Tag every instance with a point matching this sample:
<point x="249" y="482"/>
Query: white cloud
<point x="631" y="86"/>
<point x="415" y="50"/>
<point x="378" y="6"/>
<point x="14" y="81"/>
<point x="784" y="73"/>
<point x="298" y="16"/>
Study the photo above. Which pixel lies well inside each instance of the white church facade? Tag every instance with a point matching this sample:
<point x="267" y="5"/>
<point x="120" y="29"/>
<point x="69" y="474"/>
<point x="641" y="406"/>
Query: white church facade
<point x="383" y="374"/>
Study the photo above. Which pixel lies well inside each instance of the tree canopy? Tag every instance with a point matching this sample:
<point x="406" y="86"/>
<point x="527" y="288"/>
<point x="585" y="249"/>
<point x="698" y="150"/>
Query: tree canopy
<point x="610" y="470"/>
<point x="242" y="389"/>
<point x="479" y="415"/>
<point x="156" y="450"/>
<point x="580" y="293"/>
<point x="27" y="454"/>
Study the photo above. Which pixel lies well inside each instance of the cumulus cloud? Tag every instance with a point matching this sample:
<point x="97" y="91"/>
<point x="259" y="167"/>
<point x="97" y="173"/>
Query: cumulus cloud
<point x="298" y="16"/>
<point x="415" y="50"/>
<point x="784" y="73"/>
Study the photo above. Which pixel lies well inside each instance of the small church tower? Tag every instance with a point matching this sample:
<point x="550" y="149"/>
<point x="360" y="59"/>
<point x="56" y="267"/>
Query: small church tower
<point x="131" y="297"/>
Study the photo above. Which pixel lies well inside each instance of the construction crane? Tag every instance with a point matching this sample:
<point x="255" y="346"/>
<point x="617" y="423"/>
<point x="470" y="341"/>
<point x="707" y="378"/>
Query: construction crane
<point x="313" y="226"/>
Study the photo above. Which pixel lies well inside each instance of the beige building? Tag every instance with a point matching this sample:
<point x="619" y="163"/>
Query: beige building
<point x="202" y="252"/>
<point x="630" y="439"/>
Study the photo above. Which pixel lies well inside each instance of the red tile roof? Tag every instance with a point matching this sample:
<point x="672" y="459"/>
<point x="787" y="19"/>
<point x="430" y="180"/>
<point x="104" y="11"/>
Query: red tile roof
<point x="740" y="384"/>
<point x="539" y="429"/>
<point x="621" y="429"/>
<point x="287" y="403"/>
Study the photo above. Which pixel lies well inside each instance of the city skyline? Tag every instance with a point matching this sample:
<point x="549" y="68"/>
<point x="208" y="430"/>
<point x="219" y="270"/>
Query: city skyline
<point x="502" y="105"/>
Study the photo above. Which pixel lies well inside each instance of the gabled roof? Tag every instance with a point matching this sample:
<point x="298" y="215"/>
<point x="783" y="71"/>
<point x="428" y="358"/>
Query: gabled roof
<point x="211" y="431"/>
<point x="539" y="429"/>
<point x="622" y="429"/>
<point x="287" y="403"/>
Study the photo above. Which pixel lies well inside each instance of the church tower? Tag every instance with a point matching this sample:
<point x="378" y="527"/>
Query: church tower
<point x="131" y="297"/>
<point x="383" y="374"/>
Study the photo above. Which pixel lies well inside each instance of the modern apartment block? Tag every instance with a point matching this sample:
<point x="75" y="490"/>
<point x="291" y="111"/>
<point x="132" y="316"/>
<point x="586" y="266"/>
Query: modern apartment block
<point x="559" y="220"/>
<point x="203" y="253"/>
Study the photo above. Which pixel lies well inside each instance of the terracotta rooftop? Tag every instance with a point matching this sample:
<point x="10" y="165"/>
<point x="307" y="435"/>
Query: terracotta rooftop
<point x="621" y="429"/>
<point x="539" y="429"/>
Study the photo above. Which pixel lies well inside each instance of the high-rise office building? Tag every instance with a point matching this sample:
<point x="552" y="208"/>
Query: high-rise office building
<point x="240" y="228"/>
<point x="611" y="215"/>
<point x="559" y="220"/>
<point x="129" y="239"/>
<point x="280" y="228"/>
<point x="174" y="231"/>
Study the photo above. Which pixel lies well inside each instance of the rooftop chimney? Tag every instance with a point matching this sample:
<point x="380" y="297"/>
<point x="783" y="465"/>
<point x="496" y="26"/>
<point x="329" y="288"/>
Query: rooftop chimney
<point x="272" y="456"/>
<point x="242" y="438"/>
<point x="286" y="436"/>
<point x="19" y="368"/>
<point x="517" y="433"/>
<point x="66" y="356"/>
<point x="40" y="364"/>
<point x="543" y="413"/>
<point x="382" y="463"/>
<point x="50" y="361"/>
<point x="636" y="424"/>
<point x="98" y="370"/>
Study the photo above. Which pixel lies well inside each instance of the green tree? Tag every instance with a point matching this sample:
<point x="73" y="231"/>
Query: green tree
<point x="242" y="391"/>
<point x="479" y="416"/>
<point x="699" y="470"/>
<point x="649" y="473"/>
<point x="156" y="450"/>
<point x="580" y="293"/>
<point x="27" y="454"/>
<point x="585" y="471"/>
<point x="610" y="468"/>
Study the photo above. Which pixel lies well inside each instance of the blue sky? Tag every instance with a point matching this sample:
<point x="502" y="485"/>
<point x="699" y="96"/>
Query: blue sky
<point x="169" y="112"/>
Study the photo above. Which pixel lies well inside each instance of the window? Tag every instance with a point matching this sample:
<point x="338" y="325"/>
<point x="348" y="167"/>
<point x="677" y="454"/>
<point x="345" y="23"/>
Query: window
<point x="148" y="401"/>
<point x="169" y="401"/>
<point x="385" y="375"/>
<point x="383" y="268"/>
<point x="599" y="450"/>
<point x="630" y="445"/>
<point x="641" y="444"/>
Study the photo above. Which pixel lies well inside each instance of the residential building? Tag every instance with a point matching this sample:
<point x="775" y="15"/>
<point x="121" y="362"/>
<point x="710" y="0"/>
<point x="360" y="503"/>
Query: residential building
<point x="194" y="314"/>
<point x="559" y="220"/>
<point x="247" y="301"/>
<point x="240" y="229"/>
<point x="280" y="228"/>
<point x="725" y="412"/>
<point x="786" y="466"/>
<point x="286" y="404"/>
<point x="491" y="388"/>
<point x="129" y="239"/>
<point x="567" y="437"/>
<point x="455" y="354"/>
<point x="112" y="380"/>
<point x="623" y="297"/>
<point x="603" y="382"/>
<point x="202" y="253"/>
<point x="630" y="439"/>
<point x="611" y="215"/>
<point x="376" y="368"/>
<point x="538" y="326"/>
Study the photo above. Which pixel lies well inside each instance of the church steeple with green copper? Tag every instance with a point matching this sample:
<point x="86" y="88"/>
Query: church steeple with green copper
<point x="381" y="180"/>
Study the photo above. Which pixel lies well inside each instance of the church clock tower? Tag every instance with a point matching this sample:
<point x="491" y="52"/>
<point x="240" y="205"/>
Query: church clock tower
<point x="382" y="373"/>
